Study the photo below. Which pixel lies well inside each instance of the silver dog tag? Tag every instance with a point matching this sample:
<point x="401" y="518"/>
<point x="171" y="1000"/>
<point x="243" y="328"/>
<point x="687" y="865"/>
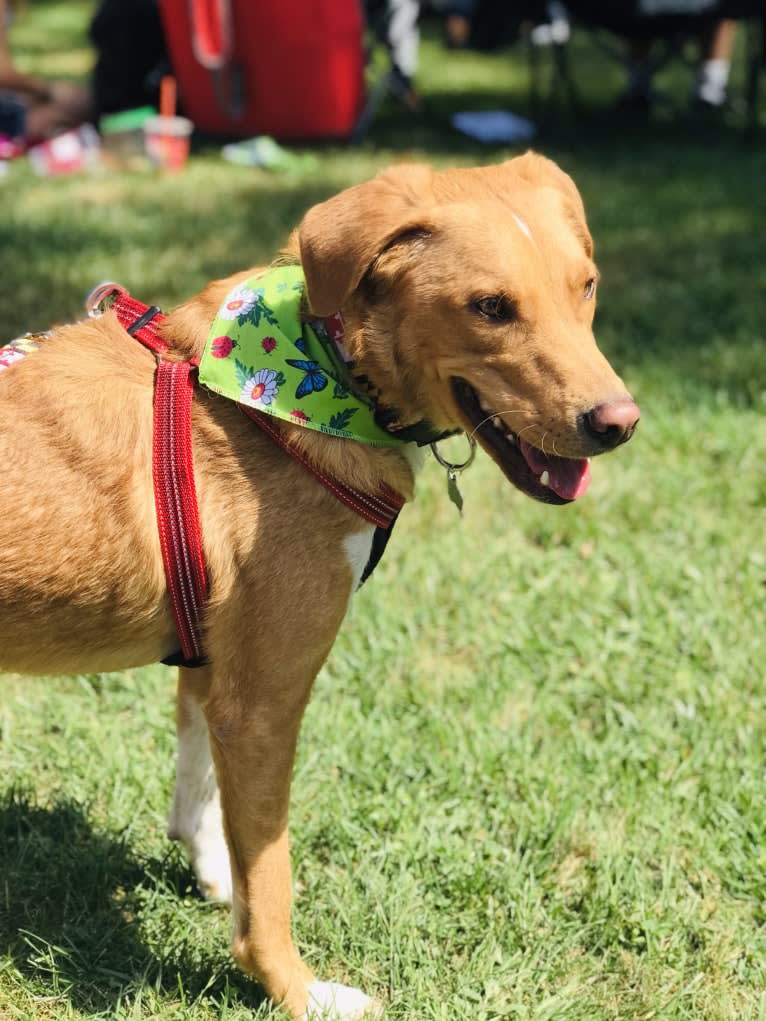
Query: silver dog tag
<point x="453" y="491"/>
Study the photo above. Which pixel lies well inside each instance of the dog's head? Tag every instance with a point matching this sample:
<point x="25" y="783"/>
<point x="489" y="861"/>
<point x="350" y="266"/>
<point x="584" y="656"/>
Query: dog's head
<point x="469" y="296"/>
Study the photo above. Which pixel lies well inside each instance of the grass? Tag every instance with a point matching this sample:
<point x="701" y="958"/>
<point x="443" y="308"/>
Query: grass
<point x="530" y="783"/>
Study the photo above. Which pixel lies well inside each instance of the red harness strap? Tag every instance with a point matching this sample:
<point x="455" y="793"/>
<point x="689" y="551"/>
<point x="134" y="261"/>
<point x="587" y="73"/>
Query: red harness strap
<point x="379" y="508"/>
<point x="175" y="497"/>
<point x="175" y="494"/>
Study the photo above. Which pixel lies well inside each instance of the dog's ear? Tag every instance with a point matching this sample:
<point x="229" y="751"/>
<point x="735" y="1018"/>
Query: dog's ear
<point x="340" y="239"/>
<point x="540" y="170"/>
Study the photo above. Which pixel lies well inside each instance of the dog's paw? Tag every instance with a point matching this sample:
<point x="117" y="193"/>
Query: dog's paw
<point x="330" y="1001"/>
<point x="199" y="827"/>
<point x="213" y="872"/>
<point x="209" y="857"/>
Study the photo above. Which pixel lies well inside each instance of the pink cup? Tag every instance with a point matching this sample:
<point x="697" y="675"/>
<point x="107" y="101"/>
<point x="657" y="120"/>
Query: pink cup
<point x="167" y="141"/>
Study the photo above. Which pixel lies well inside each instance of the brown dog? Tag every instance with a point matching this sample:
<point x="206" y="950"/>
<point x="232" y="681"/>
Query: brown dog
<point x="468" y="299"/>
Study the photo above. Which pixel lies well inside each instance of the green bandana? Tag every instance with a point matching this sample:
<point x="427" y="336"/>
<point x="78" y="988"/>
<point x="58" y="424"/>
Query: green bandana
<point x="259" y="353"/>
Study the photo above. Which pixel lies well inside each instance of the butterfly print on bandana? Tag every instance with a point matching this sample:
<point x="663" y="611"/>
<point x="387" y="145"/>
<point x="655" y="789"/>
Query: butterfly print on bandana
<point x="314" y="380"/>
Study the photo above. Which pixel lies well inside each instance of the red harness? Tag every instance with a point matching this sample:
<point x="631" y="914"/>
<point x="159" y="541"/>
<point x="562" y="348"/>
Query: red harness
<point x="175" y="494"/>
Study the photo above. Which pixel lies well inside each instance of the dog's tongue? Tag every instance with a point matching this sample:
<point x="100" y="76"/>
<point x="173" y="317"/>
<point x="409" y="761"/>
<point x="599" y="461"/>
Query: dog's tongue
<point x="567" y="477"/>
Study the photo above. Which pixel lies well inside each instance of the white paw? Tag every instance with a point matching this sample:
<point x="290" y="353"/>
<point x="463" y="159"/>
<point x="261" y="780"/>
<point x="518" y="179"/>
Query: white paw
<point x="213" y="871"/>
<point x="195" y="820"/>
<point x="207" y="851"/>
<point x="330" y="1001"/>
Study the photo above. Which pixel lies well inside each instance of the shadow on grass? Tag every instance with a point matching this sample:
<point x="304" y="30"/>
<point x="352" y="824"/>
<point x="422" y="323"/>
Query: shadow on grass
<point x="76" y="915"/>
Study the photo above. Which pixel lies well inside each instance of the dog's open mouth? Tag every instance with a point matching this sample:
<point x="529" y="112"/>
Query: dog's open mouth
<point x="545" y="477"/>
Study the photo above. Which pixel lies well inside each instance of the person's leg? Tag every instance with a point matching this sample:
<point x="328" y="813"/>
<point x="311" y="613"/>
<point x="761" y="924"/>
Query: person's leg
<point x="130" y="46"/>
<point x="403" y="43"/>
<point x="713" y="74"/>
<point x="458" y="22"/>
<point x="637" y="94"/>
<point x="395" y="22"/>
<point x="66" y="106"/>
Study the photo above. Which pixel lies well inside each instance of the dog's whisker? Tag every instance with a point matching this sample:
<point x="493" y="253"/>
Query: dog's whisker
<point x="527" y="428"/>
<point x="489" y="418"/>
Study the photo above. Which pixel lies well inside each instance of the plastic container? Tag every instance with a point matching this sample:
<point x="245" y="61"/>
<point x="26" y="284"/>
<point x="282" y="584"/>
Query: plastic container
<point x="122" y="136"/>
<point x="167" y="141"/>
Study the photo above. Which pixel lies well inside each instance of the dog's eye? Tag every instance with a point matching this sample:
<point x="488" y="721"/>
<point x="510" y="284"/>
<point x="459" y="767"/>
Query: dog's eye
<point x="590" y="288"/>
<point x="495" y="307"/>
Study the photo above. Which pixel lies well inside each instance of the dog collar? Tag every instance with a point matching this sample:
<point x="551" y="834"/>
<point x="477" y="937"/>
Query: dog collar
<point x="422" y="433"/>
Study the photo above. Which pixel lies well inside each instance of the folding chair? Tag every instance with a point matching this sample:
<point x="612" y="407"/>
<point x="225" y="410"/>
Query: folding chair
<point x="605" y="19"/>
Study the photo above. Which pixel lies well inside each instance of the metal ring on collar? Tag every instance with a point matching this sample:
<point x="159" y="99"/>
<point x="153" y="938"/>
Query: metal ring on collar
<point x="102" y="297"/>
<point x="456" y="467"/>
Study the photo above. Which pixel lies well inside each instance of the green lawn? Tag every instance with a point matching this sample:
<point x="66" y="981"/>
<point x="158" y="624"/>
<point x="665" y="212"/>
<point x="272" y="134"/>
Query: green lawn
<point x="531" y="781"/>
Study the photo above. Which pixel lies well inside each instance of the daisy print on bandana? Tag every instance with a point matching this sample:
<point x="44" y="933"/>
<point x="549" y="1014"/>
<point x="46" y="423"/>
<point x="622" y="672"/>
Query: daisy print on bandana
<point x="238" y="303"/>
<point x="260" y="387"/>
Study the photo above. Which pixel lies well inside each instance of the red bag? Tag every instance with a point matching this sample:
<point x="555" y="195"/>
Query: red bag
<point x="289" y="68"/>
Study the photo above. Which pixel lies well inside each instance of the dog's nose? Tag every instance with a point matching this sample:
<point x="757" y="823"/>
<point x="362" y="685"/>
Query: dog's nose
<point x="612" y="423"/>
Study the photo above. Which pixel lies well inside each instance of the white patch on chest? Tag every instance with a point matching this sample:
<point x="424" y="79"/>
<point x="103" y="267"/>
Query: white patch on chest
<point x="415" y="456"/>
<point x="523" y="226"/>
<point x="357" y="547"/>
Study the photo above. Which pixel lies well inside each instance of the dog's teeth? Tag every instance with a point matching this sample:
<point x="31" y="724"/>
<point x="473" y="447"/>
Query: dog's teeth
<point x="484" y="407"/>
<point x="511" y="438"/>
<point x="545" y="479"/>
<point x="496" y="421"/>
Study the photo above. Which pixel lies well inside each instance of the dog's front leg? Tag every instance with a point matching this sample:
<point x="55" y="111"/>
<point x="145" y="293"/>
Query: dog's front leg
<point x="254" y="716"/>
